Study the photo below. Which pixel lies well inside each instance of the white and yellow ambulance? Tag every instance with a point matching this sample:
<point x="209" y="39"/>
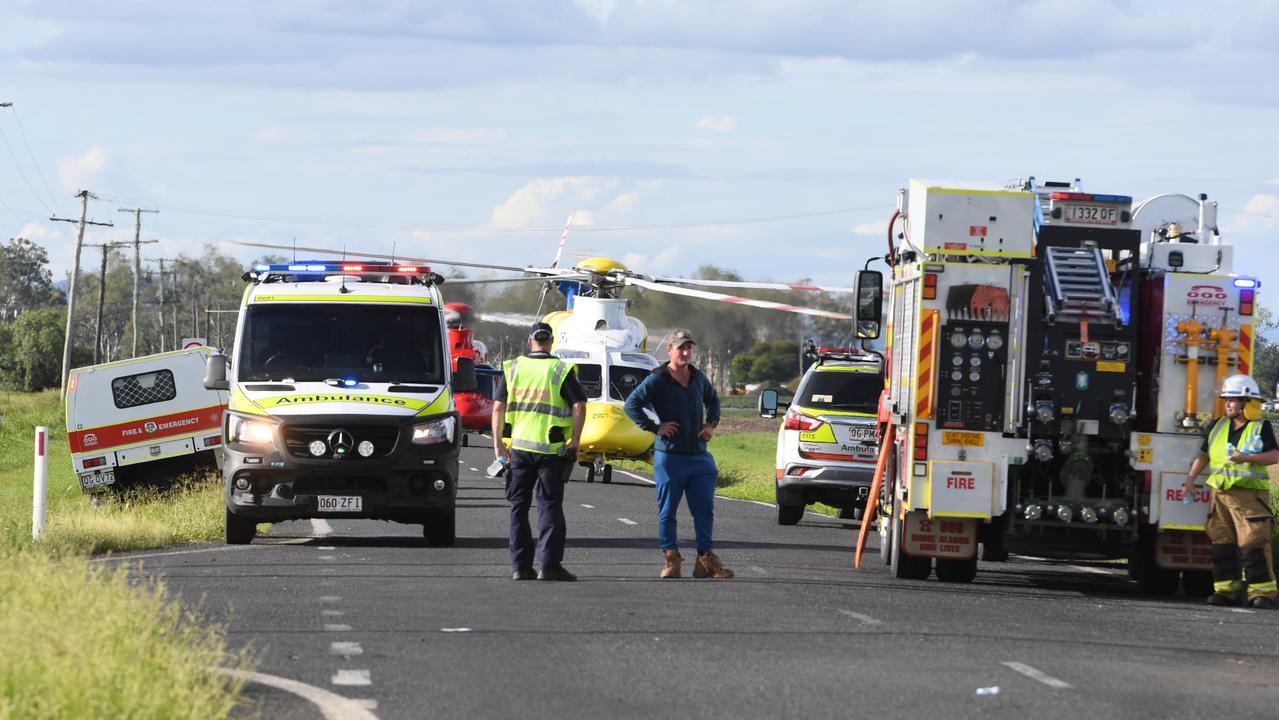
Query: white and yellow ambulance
<point x="340" y="404"/>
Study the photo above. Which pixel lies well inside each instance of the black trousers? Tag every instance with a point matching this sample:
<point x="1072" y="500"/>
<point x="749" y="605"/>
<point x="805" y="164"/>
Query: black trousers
<point x="544" y="475"/>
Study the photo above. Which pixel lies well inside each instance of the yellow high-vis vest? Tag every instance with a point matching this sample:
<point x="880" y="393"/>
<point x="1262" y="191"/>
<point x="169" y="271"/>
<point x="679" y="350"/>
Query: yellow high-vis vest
<point x="536" y="405"/>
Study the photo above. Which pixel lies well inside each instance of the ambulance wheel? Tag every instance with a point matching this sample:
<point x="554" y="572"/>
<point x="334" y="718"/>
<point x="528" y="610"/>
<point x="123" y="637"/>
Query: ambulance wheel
<point x="465" y="440"/>
<point x="789" y="514"/>
<point x="903" y="566"/>
<point x="956" y="571"/>
<point x="1197" y="583"/>
<point x="440" y="530"/>
<point x="607" y="475"/>
<point x="240" y="531"/>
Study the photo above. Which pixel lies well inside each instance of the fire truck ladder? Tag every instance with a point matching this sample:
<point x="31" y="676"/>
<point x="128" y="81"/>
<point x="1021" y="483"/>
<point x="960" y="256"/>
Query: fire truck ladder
<point x="1078" y="285"/>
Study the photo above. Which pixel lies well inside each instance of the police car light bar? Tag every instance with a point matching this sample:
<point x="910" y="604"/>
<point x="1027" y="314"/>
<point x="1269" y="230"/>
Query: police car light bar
<point x="1125" y="199"/>
<point x="327" y="268"/>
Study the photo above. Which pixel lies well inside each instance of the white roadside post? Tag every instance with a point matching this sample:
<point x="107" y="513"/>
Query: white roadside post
<point x="41" y="482"/>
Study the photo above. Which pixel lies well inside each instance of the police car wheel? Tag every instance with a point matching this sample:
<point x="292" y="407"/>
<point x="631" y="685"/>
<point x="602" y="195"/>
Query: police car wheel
<point x="789" y="514"/>
<point x="240" y="531"/>
<point x="440" y="530"/>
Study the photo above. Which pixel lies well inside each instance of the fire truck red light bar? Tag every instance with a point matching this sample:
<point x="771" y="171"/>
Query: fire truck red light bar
<point x="95" y="462"/>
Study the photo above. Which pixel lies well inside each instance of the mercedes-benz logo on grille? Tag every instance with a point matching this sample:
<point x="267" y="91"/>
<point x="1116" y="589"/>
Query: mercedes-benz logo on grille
<point x="342" y="442"/>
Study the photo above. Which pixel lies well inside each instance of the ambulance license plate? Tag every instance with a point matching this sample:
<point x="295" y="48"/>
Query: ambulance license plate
<point x="88" y="482"/>
<point x="859" y="433"/>
<point x="339" y="503"/>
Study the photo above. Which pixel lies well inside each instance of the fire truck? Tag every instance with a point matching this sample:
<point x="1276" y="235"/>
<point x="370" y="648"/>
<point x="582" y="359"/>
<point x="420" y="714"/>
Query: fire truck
<point x="1054" y="357"/>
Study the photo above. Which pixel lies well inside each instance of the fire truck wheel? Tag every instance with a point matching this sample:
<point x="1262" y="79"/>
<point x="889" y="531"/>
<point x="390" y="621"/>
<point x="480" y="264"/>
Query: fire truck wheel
<point x="1197" y="583"/>
<point x="956" y="571"/>
<point x="440" y="530"/>
<point x="789" y="514"/>
<point x="1151" y="579"/>
<point x="239" y="531"/>
<point x="905" y="567"/>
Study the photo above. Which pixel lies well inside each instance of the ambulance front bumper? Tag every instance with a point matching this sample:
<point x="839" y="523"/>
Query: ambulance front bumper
<point x="401" y="480"/>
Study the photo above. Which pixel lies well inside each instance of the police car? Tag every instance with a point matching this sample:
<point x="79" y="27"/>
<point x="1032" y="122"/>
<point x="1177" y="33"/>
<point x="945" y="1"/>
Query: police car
<point x="827" y="444"/>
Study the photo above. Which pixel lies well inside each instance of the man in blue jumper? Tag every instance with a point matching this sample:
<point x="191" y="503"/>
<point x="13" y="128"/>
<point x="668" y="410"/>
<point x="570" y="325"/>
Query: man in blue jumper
<point x="687" y="408"/>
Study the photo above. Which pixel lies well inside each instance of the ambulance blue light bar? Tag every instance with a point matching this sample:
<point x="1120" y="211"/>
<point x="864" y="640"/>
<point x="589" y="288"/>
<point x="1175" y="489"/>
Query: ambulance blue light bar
<point x="341" y="268"/>
<point x="1246" y="282"/>
<point x="1089" y="197"/>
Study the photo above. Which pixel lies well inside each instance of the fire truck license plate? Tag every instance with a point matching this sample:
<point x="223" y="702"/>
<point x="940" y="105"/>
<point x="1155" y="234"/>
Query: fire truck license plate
<point x="969" y="439"/>
<point x="339" y="503"/>
<point x="99" y="480"/>
<point x="1092" y="214"/>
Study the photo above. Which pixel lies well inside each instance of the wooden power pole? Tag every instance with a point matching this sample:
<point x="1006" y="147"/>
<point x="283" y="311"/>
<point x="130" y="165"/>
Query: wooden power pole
<point x="84" y="196"/>
<point x="138" y="242"/>
<point x="102" y="294"/>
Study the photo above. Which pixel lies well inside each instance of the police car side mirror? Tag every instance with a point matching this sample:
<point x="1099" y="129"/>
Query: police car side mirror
<point x="768" y="403"/>
<point x="869" y="314"/>
<point x="215" y="372"/>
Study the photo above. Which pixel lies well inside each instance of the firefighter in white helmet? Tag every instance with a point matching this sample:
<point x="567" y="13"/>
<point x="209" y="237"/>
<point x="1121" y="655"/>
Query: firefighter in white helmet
<point x="1240" y="523"/>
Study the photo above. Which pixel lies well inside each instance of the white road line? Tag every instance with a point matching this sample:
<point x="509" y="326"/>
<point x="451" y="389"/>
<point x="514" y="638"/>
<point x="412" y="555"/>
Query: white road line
<point x="351" y="677"/>
<point x="588" y="507"/>
<point x="1036" y="674"/>
<point x="336" y="627"/>
<point x="326" y="547"/>
<point x="366" y="704"/>
<point x="326" y="557"/>
<point x="757" y="569"/>
<point x="321" y="527"/>
<point x="1242" y="610"/>
<point x="455" y="630"/>
<point x="332" y="613"/>
<point x="641" y="478"/>
<point x="329" y="598"/>
<point x="627" y="521"/>
<point x="475" y="469"/>
<point x="145" y="555"/>
<point x="1093" y="570"/>
<point x="864" y="619"/>
<point x="331" y="705"/>
<point x="345" y="648"/>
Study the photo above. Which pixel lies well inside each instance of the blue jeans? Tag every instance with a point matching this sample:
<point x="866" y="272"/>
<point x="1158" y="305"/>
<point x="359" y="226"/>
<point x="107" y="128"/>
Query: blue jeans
<point x="685" y="475"/>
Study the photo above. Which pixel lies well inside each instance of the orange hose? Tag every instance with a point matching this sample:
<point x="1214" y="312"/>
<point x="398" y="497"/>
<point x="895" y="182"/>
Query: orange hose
<point x="872" y="499"/>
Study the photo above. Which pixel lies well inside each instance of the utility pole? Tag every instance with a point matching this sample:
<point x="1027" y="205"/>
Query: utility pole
<point x="102" y="293"/>
<point x="162" y="261"/>
<point x="137" y="265"/>
<point x="84" y="196"/>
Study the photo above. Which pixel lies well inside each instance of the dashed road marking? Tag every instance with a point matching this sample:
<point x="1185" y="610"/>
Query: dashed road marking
<point x="1243" y="610"/>
<point x="331" y="705"/>
<point x="327" y="557"/>
<point x="321" y="527"/>
<point x="326" y="547"/>
<point x="456" y="630"/>
<point x="627" y="521"/>
<point x="588" y="507"/>
<point x="329" y="598"/>
<point x="336" y="627"/>
<point x="475" y="469"/>
<point x="351" y="677"/>
<point x="332" y="613"/>
<point x="1036" y="674"/>
<point x="864" y="619"/>
<point x="757" y="570"/>
<point x="345" y="648"/>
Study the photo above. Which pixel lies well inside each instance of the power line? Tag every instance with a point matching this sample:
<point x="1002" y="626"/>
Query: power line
<point x="30" y="153"/>
<point x="18" y="165"/>
<point x="1250" y="213"/>
<point x="11" y="210"/>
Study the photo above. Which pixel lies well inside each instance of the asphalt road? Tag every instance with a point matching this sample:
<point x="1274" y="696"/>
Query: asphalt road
<point x="365" y="610"/>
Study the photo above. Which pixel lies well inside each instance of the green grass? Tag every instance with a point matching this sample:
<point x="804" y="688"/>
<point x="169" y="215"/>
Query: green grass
<point x="82" y="640"/>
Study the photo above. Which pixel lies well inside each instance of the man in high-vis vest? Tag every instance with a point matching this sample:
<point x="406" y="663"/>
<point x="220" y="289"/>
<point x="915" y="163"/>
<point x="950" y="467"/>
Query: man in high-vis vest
<point x="539" y="398"/>
<point x="1241" y="521"/>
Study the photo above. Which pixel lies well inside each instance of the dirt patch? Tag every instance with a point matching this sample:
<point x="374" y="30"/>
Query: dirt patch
<point x="748" y="423"/>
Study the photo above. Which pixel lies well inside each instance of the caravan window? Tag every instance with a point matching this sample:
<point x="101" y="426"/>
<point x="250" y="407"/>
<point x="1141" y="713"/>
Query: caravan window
<point x="143" y="389"/>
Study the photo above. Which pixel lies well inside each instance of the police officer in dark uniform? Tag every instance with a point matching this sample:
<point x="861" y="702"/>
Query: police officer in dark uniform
<point x="539" y="398"/>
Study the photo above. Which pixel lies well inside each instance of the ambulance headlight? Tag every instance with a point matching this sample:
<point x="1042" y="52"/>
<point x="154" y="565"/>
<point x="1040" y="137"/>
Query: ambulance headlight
<point x="249" y="430"/>
<point x="436" y="431"/>
<point x="1119" y="413"/>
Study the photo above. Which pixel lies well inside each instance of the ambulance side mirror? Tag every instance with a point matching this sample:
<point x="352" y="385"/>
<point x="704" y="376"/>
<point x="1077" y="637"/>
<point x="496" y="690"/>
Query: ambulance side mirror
<point x="869" y="314"/>
<point x="768" y="403"/>
<point x="215" y="372"/>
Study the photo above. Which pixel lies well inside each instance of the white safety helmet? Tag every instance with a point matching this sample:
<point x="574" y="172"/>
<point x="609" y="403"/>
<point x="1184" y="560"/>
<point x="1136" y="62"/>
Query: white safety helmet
<point x="1240" y="386"/>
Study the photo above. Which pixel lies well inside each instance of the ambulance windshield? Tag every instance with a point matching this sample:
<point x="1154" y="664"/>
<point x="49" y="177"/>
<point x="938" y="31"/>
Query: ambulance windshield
<point x="841" y="390"/>
<point x="318" y="341"/>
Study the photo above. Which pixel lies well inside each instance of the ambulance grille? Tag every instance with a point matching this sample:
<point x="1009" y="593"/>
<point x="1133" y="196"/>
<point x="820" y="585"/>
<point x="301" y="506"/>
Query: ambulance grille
<point x="383" y="437"/>
<point x="317" y="485"/>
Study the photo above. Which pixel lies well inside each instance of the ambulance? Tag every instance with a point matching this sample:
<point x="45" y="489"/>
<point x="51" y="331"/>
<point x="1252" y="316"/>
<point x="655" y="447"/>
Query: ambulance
<point x="147" y="419"/>
<point x="340" y="404"/>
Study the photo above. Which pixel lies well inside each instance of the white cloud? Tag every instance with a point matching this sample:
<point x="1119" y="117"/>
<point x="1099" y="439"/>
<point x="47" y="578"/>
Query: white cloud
<point x="1261" y="213"/>
<point x="870" y="228"/>
<point x="664" y="260"/>
<point x="458" y="136"/>
<point x="278" y="134"/>
<point x="542" y="201"/>
<point x="723" y="124"/>
<point x="79" y="171"/>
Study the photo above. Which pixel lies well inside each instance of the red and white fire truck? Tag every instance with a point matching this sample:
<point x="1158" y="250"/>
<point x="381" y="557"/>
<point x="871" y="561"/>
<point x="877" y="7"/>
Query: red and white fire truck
<point x="124" y="418"/>
<point x="1054" y="359"/>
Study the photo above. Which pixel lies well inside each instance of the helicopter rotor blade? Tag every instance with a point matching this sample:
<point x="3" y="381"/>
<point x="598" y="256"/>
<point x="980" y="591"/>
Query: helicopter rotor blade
<point x="755" y="285"/>
<point x="502" y="318"/>
<point x="378" y="256"/>
<point x="527" y="278"/>
<point x="720" y="297"/>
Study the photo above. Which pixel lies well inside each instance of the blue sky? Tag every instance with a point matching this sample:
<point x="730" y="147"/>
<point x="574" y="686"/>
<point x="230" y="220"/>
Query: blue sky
<point x="671" y="131"/>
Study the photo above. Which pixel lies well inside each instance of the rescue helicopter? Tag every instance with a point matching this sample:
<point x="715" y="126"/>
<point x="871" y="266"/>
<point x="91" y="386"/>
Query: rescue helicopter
<point x="473" y="377"/>
<point x="608" y="346"/>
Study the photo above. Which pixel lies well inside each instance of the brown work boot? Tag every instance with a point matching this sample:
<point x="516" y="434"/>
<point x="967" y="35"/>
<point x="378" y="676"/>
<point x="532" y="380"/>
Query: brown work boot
<point x="708" y="566"/>
<point x="673" y="561"/>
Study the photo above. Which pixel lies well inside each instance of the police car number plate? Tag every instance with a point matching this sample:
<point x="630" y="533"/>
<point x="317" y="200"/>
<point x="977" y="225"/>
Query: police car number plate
<point x="100" y="480"/>
<point x="339" y="503"/>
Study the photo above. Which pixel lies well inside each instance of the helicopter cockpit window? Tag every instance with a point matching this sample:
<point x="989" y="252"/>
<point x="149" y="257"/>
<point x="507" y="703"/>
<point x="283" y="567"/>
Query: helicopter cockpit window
<point x="591" y="379"/>
<point x="623" y="380"/>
